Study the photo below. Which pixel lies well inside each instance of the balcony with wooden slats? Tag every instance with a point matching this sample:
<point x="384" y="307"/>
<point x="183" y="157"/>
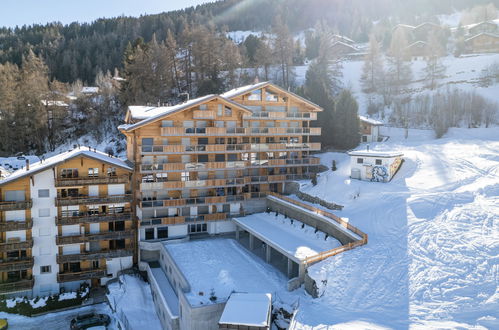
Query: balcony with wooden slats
<point x="14" y="246"/>
<point x="239" y="131"/>
<point x="14" y="265"/>
<point x="283" y="115"/>
<point x="81" y="275"/>
<point x="83" y="238"/>
<point x="81" y="181"/>
<point x="188" y="219"/>
<point x="94" y="218"/>
<point x="15" y="205"/>
<point x="16" y="225"/>
<point x="126" y="252"/>
<point x="85" y="200"/>
<point x="208" y="200"/>
<point x="16" y="286"/>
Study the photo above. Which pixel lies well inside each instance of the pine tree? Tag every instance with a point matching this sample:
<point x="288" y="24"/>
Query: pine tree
<point x="434" y="68"/>
<point x="282" y="46"/>
<point x="372" y="71"/>
<point x="346" y="123"/>
<point x="399" y="70"/>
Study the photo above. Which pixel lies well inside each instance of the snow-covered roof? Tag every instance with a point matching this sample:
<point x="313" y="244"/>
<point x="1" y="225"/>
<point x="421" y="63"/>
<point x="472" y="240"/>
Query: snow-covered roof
<point x="470" y="26"/>
<point x="90" y="90"/>
<point x="370" y="121"/>
<point x="248" y="88"/>
<point x="54" y="103"/>
<point x="148" y="114"/>
<point x="248" y="309"/>
<point x="62" y="157"/>
<point x="4" y="172"/>
<point x="374" y="153"/>
<point x="14" y="163"/>
<point x="481" y="34"/>
<point x="346" y="39"/>
<point x="426" y="23"/>
<point x="404" y="26"/>
<point x="344" y="44"/>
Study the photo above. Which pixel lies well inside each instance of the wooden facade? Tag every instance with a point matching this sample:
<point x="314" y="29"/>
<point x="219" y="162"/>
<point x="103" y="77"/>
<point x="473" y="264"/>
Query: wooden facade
<point x="214" y="156"/>
<point x="483" y="43"/>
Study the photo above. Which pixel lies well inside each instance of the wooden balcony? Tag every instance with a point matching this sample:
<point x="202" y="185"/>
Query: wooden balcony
<point x="95" y="218"/>
<point x="193" y="201"/>
<point x="193" y="184"/>
<point x="81" y="181"/>
<point x="95" y="255"/>
<point x="187" y="219"/>
<point x="81" y="275"/>
<point x="242" y="131"/>
<point x="203" y="114"/>
<point x="16" y="286"/>
<point x="77" y="239"/>
<point x="85" y="200"/>
<point x="14" y="265"/>
<point x="15" y="205"/>
<point x="283" y="115"/>
<point x="14" y="246"/>
<point x="16" y="225"/>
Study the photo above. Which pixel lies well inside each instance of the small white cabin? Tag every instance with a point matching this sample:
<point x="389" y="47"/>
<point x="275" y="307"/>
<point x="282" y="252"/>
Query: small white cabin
<point x="369" y="129"/>
<point x="374" y="166"/>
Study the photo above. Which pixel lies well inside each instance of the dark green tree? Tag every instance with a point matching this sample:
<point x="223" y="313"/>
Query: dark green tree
<point x="346" y="121"/>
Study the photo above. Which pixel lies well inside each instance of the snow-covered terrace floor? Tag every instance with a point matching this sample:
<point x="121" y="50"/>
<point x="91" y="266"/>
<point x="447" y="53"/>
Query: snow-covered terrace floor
<point x="291" y="236"/>
<point x="223" y="266"/>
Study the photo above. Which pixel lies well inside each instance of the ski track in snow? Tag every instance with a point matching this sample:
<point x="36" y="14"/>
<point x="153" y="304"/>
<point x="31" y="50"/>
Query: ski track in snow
<point x="433" y="254"/>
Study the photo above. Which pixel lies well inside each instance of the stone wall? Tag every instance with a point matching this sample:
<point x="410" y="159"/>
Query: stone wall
<point x="316" y="200"/>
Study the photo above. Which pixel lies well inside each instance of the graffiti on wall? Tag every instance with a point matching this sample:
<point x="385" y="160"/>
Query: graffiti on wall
<point x="379" y="174"/>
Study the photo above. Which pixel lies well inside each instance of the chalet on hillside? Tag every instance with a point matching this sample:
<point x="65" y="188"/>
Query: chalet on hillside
<point x="483" y="43"/>
<point x="422" y="31"/>
<point x="369" y="129"/>
<point x="482" y="27"/>
<point x="341" y="49"/>
<point x="416" y="49"/>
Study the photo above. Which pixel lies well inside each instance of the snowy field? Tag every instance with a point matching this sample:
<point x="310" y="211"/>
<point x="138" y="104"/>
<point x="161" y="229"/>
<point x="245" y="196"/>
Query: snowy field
<point x="433" y="254"/>
<point x="299" y="241"/>
<point x="223" y="266"/>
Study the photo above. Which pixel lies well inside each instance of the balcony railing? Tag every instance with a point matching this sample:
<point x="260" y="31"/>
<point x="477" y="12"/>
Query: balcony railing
<point x="210" y="183"/>
<point x="14" y="265"/>
<point x="95" y="255"/>
<point x="83" y="238"/>
<point x="228" y="148"/>
<point x="16" y="225"/>
<point x="81" y="275"/>
<point x="13" y="246"/>
<point x="188" y="219"/>
<point x="193" y="201"/>
<point x="94" y="218"/>
<point x="64" y="201"/>
<point x="66" y="182"/>
<point x="243" y="131"/>
<point x="16" y="286"/>
<point x="283" y="115"/>
<point x="15" y="205"/>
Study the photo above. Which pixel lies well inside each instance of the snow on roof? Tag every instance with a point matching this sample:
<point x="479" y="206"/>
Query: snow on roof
<point x="404" y="26"/>
<point x="374" y="153"/>
<point x="344" y="44"/>
<point x="243" y="89"/>
<point x="228" y="268"/>
<point x="338" y="36"/>
<point x="62" y="157"/>
<point x="288" y="234"/>
<point x="426" y="23"/>
<point x="54" y="103"/>
<point x="470" y="26"/>
<point x="14" y="163"/>
<point x="249" y="309"/>
<point x="370" y="120"/>
<point x="4" y="172"/>
<point x="90" y="90"/>
<point x="483" y="33"/>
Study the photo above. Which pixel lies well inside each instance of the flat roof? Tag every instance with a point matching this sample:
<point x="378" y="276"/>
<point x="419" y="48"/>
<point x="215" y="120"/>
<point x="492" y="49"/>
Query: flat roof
<point x="249" y="309"/>
<point x="166" y="290"/>
<point x="374" y="153"/>
<point x="222" y="266"/>
<point x="293" y="237"/>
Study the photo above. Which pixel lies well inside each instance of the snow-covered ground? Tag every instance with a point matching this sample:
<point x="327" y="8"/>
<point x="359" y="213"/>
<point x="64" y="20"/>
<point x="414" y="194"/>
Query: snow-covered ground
<point x="132" y="300"/>
<point x="294" y="237"/>
<point x="433" y="254"/>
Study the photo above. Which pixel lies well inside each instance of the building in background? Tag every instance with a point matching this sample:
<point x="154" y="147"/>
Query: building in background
<point x="374" y="166"/>
<point x="369" y="130"/>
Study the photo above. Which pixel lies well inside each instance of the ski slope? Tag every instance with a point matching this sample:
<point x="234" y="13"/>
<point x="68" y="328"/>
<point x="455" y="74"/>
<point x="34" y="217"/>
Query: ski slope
<point x="433" y="254"/>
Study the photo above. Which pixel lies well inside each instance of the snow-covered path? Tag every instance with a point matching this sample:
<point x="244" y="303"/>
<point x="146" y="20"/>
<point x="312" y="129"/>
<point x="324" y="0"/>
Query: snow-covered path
<point x="433" y="254"/>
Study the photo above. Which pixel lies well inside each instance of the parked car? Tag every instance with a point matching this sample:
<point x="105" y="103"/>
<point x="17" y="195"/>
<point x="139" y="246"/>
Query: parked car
<point x="85" y="321"/>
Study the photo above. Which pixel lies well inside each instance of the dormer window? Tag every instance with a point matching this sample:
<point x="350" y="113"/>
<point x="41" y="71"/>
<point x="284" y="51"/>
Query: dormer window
<point x="255" y="95"/>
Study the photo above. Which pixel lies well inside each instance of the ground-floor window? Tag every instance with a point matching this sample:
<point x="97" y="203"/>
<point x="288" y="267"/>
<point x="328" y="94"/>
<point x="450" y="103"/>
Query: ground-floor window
<point x="198" y="228"/>
<point x="149" y="233"/>
<point x="163" y="232"/>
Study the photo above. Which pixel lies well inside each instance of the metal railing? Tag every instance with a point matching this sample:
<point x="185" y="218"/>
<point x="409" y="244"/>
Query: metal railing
<point x="16" y="225"/>
<point x="82" y="199"/>
<point x="126" y="252"/>
<point x="94" y="218"/>
<point x="13" y="246"/>
<point x="81" y="275"/>
<point x="16" y="286"/>
<point x="83" y="238"/>
<point x="65" y="182"/>
<point x="15" y="205"/>
<point x="14" y="265"/>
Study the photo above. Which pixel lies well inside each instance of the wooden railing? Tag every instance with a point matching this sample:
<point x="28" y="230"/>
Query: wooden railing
<point x="15" y="205"/>
<point x="127" y="215"/>
<point x="13" y="246"/>
<point x="209" y="183"/>
<point x="16" y="225"/>
<point x="193" y="201"/>
<point x="243" y="131"/>
<point x="81" y="275"/>
<point x="341" y="222"/>
<point x="126" y="252"/>
<point x="188" y="219"/>
<point x="65" y="182"/>
<point x="14" y="265"/>
<point x="283" y="115"/>
<point x="76" y="239"/>
<point x="20" y="285"/>
<point x="64" y="201"/>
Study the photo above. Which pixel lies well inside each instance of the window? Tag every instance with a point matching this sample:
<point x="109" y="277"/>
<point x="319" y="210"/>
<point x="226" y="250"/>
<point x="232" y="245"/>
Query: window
<point x="378" y="162"/>
<point x="45" y="269"/>
<point x="232" y="140"/>
<point x="161" y="177"/>
<point x="44" y="213"/>
<point x="14" y="195"/>
<point x="149" y="233"/>
<point x="117" y="244"/>
<point x="117" y="226"/>
<point x="111" y="171"/>
<point x="220" y="158"/>
<point x="93" y="172"/>
<point x="147" y="141"/>
<point x="167" y="123"/>
<point x="364" y="138"/>
<point x="163" y="232"/>
<point x="255" y="140"/>
<point x="219" y="140"/>
<point x="43" y="193"/>
<point x="197" y="228"/>
<point x="202" y="158"/>
<point x="232" y="157"/>
<point x="69" y="173"/>
<point x="360" y="160"/>
<point x="255" y="95"/>
<point x="95" y="264"/>
<point x="228" y="111"/>
<point x="269" y="96"/>
<point x="203" y="107"/>
<point x="220" y="110"/>
<point x="185" y="176"/>
<point x="219" y="123"/>
<point x="203" y="141"/>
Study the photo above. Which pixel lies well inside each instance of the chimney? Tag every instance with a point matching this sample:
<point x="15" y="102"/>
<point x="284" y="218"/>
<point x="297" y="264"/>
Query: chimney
<point x="27" y="164"/>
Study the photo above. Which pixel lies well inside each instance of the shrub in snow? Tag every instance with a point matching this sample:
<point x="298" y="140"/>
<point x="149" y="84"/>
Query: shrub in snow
<point x="213" y="298"/>
<point x="314" y="180"/>
<point x="333" y="167"/>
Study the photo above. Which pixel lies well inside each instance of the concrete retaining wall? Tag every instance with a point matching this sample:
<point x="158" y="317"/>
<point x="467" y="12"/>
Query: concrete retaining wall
<point x="316" y="200"/>
<point x="311" y="286"/>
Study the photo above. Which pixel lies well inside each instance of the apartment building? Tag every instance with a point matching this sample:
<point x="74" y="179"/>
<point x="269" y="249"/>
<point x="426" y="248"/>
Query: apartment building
<point x="64" y="221"/>
<point x="201" y="162"/>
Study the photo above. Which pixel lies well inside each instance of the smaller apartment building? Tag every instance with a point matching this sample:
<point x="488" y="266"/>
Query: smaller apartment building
<point x="64" y="221"/>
